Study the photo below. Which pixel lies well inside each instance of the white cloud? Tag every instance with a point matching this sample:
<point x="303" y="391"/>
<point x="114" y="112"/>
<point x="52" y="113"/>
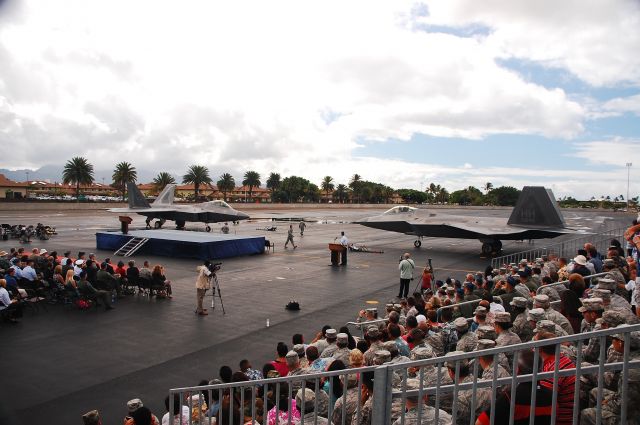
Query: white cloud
<point x="623" y="104"/>
<point x="616" y="152"/>
<point x="596" y="41"/>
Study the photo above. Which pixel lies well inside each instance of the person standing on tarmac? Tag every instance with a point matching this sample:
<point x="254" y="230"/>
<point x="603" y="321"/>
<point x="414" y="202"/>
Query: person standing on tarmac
<point x="406" y="267"/>
<point x="290" y="238"/>
<point x="302" y="226"/>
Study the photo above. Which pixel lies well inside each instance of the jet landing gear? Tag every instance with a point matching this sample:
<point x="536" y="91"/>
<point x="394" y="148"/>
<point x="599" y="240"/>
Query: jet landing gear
<point x="418" y="242"/>
<point x="159" y="223"/>
<point x="207" y="228"/>
<point x="491" y="247"/>
<point x="180" y="224"/>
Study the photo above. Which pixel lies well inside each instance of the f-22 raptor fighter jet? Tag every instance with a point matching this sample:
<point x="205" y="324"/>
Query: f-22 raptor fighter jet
<point x="535" y="216"/>
<point x="163" y="209"/>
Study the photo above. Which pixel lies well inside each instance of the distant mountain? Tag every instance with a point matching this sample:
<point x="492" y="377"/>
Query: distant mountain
<point x="53" y="173"/>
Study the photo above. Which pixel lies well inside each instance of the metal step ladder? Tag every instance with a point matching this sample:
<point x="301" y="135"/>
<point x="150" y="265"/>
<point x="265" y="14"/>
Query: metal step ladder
<point x="130" y="248"/>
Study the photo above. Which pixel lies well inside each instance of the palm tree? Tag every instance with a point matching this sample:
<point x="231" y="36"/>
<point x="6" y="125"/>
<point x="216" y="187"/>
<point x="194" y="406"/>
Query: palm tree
<point x="273" y="183"/>
<point x="197" y="175"/>
<point x="341" y="192"/>
<point x="488" y="186"/>
<point x="354" y="184"/>
<point x="387" y="193"/>
<point x="443" y="194"/>
<point x="327" y="185"/>
<point x="226" y="184"/>
<point x="77" y="171"/>
<point x="162" y="180"/>
<point x="251" y="179"/>
<point x="124" y="173"/>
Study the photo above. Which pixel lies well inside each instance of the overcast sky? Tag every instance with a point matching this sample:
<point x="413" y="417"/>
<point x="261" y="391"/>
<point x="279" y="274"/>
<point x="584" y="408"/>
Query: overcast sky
<point x="453" y="92"/>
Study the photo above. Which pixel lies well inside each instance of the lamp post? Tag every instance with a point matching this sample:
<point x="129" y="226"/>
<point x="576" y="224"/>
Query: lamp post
<point x="629" y="164"/>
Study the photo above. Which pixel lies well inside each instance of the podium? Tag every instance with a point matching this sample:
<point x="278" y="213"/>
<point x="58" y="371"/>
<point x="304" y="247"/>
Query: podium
<point x="124" y="223"/>
<point x="337" y="251"/>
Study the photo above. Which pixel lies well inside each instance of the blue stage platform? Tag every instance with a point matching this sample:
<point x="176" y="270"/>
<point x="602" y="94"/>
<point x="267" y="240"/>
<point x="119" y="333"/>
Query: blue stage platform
<point x="184" y="244"/>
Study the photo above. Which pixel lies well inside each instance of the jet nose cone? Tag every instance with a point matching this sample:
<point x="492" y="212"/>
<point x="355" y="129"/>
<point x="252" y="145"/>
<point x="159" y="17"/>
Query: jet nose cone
<point x="242" y="216"/>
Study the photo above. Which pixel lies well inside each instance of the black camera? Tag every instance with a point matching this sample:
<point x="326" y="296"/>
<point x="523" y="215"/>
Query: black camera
<point x="213" y="267"/>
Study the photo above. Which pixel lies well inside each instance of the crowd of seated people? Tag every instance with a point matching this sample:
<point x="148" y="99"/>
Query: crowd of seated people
<point x="532" y="300"/>
<point x="30" y="277"/>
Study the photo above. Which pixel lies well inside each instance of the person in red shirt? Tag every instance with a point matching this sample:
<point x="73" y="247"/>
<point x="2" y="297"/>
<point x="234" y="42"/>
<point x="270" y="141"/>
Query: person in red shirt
<point x="566" y="384"/>
<point x="280" y="363"/>
<point x="427" y="278"/>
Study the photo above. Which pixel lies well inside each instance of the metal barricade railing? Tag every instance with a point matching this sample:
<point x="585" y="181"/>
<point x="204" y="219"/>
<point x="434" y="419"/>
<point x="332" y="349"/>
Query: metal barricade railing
<point x="564" y="282"/>
<point x="566" y="248"/>
<point x="362" y="325"/>
<point x="453" y="381"/>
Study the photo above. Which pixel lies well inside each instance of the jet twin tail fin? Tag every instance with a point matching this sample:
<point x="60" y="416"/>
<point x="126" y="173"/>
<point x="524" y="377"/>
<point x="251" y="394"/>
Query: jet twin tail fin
<point x="136" y="198"/>
<point x="166" y="196"/>
<point x="536" y="207"/>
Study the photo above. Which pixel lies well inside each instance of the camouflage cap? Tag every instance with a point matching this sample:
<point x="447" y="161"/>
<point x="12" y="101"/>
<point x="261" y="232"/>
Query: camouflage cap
<point x="371" y="310"/>
<point x="609" y="262"/>
<point x="388" y="306"/>
<point x="91" y="418"/>
<point x="591" y="304"/>
<point x="389" y="345"/>
<point x="133" y="405"/>
<point x="309" y="397"/>
<point x="373" y="331"/>
<point x="480" y="310"/>
<point x="292" y="357"/>
<point x="299" y="348"/>
<point x="502" y="317"/>
<point x="381" y="357"/>
<point x="519" y="302"/>
<point x="421" y="353"/>
<point x="342" y="337"/>
<point x="331" y="334"/>
<point x="545" y="326"/>
<point x="605" y="283"/>
<point x="461" y="324"/>
<point x="452" y="363"/>
<point x="613" y="318"/>
<point x="604" y="294"/>
<point x="535" y="314"/>
<point x="541" y="300"/>
<point x="484" y="344"/>
<point x="486" y="332"/>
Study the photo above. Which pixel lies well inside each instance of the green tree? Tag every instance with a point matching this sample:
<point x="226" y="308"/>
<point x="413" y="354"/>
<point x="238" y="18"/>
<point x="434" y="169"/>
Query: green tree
<point x="197" y="175"/>
<point x="505" y="196"/>
<point x="251" y="179"/>
<point x="78" y="171"/>
<point x="340" y="194"/>
<point x="296" y="189"/>
<point x="443" y="195"/>
<point x="273" y="183"/>
<point x="356" y="185"/>
<point x="124" y="173"/>
<point x="162" y="180"/>
<point x="327" y="185"/>
<point x="226" y="184"/>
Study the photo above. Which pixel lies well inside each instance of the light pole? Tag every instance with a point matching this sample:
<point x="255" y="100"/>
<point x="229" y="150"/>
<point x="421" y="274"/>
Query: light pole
<point x="629" y="164"/>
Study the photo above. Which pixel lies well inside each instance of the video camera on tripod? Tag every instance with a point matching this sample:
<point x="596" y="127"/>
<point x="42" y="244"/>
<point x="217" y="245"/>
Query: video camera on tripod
<point x="213" y="267"/>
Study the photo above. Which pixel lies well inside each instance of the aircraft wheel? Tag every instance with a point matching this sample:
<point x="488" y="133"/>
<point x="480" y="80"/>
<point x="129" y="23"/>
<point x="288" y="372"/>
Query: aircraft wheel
<point x="487" y="248"/>
<point x="180" y="225"/>
<point x="208" y="228"/>
<point x="157" y="224"/>
<point x="497" y="246"/>
<point x="417" y="243"/>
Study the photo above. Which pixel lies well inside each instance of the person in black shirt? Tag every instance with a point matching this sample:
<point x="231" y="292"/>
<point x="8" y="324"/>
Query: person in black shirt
<point x="523" y="400"/>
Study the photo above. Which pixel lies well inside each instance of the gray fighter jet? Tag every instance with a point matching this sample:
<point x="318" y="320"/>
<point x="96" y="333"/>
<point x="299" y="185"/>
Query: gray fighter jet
<point x="163" y="209"/>
<point x="535" y="216"/>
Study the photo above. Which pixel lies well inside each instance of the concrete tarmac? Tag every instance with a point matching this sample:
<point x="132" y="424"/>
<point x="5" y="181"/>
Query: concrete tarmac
<point x="59" y="363"/>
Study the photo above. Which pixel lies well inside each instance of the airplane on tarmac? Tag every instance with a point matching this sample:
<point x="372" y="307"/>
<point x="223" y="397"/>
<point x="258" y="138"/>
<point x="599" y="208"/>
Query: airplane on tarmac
<point x="164" y="209"/>
<point x="535" y="216"/>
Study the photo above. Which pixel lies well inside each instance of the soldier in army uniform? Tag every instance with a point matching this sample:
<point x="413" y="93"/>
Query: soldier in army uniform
<point x="591" y="310"/>
<point x="309" y="405"/>
<point x="350" y="398"/>
<point x="299" y="348"/>
<point x="342" y="351"/>
<point x="521" y="326"/>
<point x="331" y="336"/>
<point x="506" y="336"/>
<point x="542" y="301"/>
<point x="463" y="402"/>
<point x="536" y="315"/>
<point x="293" y="364"/>
<point x="617" y="301"/>
<point x="613" y="273"/>
<point x="415" y="408"/>
<point x="612" y="401"/>
<point x="373" y="334"/>
<point x="467" y="341"/>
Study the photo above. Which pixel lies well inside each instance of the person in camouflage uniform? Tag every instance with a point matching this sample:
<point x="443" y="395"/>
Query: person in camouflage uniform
<point x="430" y="377"/>
<point x="366" y="400"/>
<point x="309" y="413"/>
<point x="373" y="334"/>
<point x="350" y="399"/>
<point x="536" y="315"/>
<point x="542" y="301"/>
<point x="415" y="408"/>
<point x="612" y="400"/>
<point x="293" y="363"/>
<point x="342" y="351"/>
<point x="614" y="273"/>
<point x="519" y="313"/>
<point x="331" y="336"/>
<point x="591" y="310"/>
<point x="617" y="301"/>
<point x="464" y="397"/>
<point x="506" y="336"/>
<point x="467" y="341"/>
<point x="488" y="369"/>
<point x="299" y="348"/>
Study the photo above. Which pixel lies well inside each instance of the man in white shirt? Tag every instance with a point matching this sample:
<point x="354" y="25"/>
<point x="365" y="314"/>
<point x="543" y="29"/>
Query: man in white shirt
<point x="344" y="241"/>
<point x="28" y="272"/>
<point x="77" y="269"/>
<point x="9" y="306"/>
<point x="406" y="267"/>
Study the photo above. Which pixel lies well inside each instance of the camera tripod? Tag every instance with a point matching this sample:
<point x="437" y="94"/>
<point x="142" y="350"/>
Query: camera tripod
<point x="215" y="286"/>
<point x="433" y="279"/>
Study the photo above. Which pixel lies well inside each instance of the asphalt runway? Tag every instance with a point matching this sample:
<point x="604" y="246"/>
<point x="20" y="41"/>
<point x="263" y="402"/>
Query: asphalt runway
<point x="62" y="362"/>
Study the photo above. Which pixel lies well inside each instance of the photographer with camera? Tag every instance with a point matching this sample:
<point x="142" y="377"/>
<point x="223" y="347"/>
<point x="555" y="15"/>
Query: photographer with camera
<point x="406" y="267"/>
<point x="202" y="285"/>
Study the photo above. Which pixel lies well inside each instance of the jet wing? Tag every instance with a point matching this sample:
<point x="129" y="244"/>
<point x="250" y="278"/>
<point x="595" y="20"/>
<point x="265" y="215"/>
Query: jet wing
<point x="141" y="210"/>
<point x="485" y="230"/>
